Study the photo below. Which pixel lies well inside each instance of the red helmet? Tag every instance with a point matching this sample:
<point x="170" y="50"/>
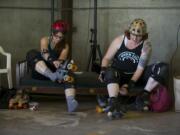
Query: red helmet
<point x="60" y="26"/>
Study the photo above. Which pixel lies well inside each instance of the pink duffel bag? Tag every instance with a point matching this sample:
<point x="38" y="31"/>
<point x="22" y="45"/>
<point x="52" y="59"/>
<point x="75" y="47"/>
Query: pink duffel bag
<point x="160" y="99"/>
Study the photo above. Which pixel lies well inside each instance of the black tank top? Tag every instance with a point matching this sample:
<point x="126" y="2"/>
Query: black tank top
<point x="126" y="60"/>
<point x="53" y="53"/>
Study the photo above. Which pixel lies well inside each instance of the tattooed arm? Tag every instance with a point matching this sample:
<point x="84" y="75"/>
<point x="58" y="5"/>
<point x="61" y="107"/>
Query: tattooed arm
<point x="145" y="55"/>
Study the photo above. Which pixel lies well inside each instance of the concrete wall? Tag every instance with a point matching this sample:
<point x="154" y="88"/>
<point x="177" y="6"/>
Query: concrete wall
<point x="21" y="28"/>
<point x="23" y="23"/>
<point x="162" y="17"/>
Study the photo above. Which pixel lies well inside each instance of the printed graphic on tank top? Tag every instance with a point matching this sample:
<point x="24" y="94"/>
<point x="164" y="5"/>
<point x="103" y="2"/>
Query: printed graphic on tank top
<point x="126" y="60"/>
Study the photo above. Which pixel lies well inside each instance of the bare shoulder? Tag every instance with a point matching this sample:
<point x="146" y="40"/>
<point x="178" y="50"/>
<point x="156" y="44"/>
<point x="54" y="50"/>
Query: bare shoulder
<point x="117" y="41"/>
<point x="119" y="38"/>
<point x="66" y="46"/>
<point x="44" y="41"/>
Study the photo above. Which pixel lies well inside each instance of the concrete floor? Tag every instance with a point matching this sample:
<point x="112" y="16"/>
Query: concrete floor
<point x="52" y="119"/>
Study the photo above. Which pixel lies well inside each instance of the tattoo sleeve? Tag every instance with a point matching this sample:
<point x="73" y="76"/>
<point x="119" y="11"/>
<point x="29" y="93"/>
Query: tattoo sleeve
<point x="145" y="54"/>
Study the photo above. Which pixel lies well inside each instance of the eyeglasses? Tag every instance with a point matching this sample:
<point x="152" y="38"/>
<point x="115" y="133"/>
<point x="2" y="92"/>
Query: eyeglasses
<point x="59" y="37"/>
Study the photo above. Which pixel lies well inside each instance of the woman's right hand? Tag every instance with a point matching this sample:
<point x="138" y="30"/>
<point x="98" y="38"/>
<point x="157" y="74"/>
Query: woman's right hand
<point x="57" y="63"/>
<point x="101" y="76"/>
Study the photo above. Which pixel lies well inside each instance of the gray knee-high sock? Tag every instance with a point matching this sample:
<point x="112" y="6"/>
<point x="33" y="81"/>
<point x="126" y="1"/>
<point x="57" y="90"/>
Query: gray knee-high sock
<point x="53" y="76"/>
<point x="72" y="104"/>
<point x="42" y="68"/>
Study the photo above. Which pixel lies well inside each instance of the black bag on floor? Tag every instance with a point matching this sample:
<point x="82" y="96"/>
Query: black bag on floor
<point x="5" y="96"/>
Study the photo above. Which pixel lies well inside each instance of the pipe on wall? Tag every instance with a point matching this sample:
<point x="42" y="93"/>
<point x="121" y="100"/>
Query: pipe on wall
<point x="89" y="8"/>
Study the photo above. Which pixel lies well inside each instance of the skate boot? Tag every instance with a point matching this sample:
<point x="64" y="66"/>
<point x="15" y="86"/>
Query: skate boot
<point x="102" y="103"/>
<point x="142" y="101"/>
<point x="65" y="72"/>
<point x="114" y="109"/>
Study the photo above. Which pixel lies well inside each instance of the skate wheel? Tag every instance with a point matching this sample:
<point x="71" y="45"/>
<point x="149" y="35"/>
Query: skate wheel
<point x="109" y="114"/>
<point x="72" y="67"/>
<point x="68" y="78"/>
<point x="146" y="108"/>
<point x="99" y="109"/>
<point x="114" y="115"/>
<point x="69" y="66"/>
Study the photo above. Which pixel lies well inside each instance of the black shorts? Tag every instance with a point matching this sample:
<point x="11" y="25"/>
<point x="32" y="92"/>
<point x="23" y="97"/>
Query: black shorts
<point x="126" y="77"/>
<point x="32" y="57"/>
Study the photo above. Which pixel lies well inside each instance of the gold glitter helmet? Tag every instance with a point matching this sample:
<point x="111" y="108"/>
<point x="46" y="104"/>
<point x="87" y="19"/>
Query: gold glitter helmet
<point x="138" y="27"/>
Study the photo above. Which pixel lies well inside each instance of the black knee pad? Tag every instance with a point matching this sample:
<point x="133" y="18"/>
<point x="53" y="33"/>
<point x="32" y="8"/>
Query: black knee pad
<point x="160" y="72"/>
<point x="32" y="57"/>
<point x="111" y="76"/>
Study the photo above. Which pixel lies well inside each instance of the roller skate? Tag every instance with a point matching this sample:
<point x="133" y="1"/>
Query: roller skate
<point x="102" y="103"/>
<point x="68" y="78"/>
<point x="142" y="102"/>
<point x="72" y="66"/>
<point x="65" y="72"/>
<point x="19" y="101"/>
<point x="114" y="110"/>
